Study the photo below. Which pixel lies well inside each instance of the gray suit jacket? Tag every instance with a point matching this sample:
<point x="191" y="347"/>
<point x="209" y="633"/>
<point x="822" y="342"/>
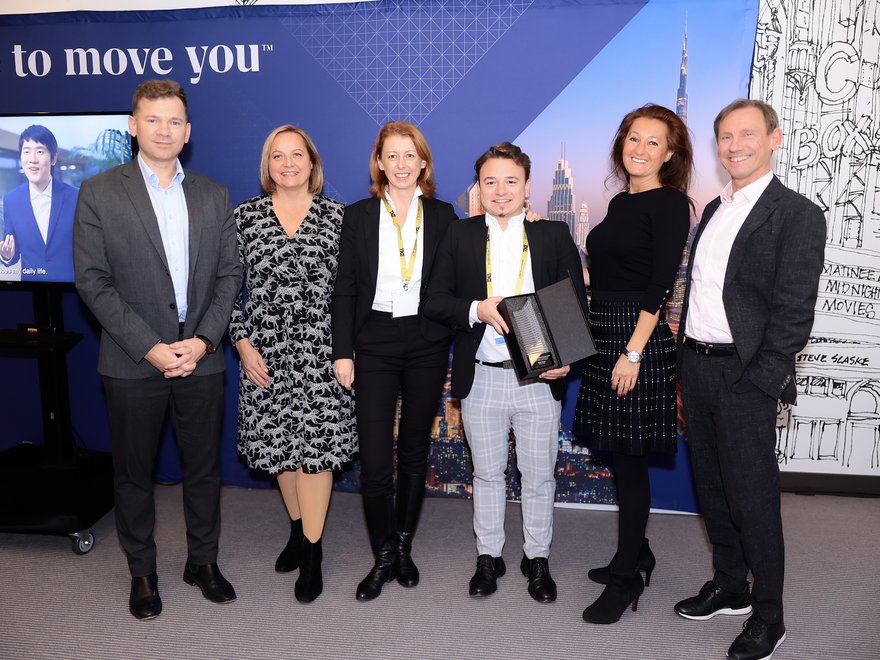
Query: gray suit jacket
<point x="770" y="287"/>
<point x="122" y="274"/>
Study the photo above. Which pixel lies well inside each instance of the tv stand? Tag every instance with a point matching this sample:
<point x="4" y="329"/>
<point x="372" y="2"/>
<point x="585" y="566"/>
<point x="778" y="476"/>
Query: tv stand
<point x="54" y="488"/>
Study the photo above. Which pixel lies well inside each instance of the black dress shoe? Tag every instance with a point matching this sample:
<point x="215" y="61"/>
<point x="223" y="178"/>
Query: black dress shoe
<point x="485" y="580"/>
<point x="144" y="601"/>
<point x="757" y="641"/>
<point x="646" y="563"/>
<point x="210" y="580"/>
<point x="542" y="587"/>
<point x="713" y="600"/>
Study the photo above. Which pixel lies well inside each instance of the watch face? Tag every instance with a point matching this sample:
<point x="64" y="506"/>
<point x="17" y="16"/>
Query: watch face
<point x="633" y="356"/>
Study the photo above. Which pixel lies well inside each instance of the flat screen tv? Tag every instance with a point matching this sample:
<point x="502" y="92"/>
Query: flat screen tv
<point x="44" y="158"/>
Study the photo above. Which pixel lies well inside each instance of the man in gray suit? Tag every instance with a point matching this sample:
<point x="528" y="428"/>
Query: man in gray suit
<point x="156" y="261"/>
<point x="748" y="311"/>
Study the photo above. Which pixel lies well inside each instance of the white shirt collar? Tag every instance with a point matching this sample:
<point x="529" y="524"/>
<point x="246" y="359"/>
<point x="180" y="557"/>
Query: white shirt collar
<point x="748" y="194"/>
<point x="518" y="219"/>
<point x="417" y="194"/>
<point x="36" y="193"/>
<point x="153" y="179"/>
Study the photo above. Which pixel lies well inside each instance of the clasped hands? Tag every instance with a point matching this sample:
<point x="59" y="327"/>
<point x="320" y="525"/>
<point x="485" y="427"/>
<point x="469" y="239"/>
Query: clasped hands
<point x="177" y="360"/>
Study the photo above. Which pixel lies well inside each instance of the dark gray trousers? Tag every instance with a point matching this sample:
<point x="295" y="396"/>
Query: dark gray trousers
<point x="731" y="433"/>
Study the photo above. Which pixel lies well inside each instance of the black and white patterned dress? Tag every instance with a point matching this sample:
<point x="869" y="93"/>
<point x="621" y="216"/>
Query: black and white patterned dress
<point x="304" y="419"/>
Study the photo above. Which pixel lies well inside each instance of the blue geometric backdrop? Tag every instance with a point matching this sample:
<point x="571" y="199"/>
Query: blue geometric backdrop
<point x="402" y="59"/>
<point x="469" y="73"/>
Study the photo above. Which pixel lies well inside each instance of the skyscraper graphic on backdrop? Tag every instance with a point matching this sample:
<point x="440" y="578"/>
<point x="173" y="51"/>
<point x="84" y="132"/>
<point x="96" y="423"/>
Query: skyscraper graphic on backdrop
<point x="681" y="109"/>
<point x="681" y="101"/>
<point x="581" y="231"/>
<point x="561" y="204"/>
<point x="475" y="206"/>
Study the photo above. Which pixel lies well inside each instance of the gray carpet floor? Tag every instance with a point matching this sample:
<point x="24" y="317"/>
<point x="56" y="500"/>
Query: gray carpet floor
<point x="54" y="604"/>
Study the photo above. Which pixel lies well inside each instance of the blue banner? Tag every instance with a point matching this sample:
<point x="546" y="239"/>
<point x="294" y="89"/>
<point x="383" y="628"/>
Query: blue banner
<point x="554" y="76"/>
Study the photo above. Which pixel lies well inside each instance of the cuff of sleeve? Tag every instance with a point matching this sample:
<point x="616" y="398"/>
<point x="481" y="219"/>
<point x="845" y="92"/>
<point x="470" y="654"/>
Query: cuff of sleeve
<point x="654" y="298"/>
<point x="473" y="319"/>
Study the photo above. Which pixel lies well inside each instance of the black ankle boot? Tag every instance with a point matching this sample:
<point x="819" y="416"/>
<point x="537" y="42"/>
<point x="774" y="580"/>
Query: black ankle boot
<point x="310" y="583"/>
<point x="288" y="560"/>
<point x="384" y="570"/>
<point x="621" y="591"/>
<point x="407" y="572"/>
<point x="646" y="564"/>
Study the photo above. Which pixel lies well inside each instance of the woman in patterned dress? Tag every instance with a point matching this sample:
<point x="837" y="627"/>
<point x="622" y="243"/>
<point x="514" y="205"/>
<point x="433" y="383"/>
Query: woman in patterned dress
<point x="383" y="345"/>
<point x="294" y="419"/>
<point x="627" y="397"/>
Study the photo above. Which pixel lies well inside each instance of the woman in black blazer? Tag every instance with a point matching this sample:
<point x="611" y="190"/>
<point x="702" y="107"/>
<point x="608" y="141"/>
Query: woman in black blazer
<point x="383" y="345"/>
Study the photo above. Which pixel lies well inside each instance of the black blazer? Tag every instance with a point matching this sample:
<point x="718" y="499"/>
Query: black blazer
<point x="770" y="287"/>
<point x="359" y="266"/>
<point x="459" y="278"/>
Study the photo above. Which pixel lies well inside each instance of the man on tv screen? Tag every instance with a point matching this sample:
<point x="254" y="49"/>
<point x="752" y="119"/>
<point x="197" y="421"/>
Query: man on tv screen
<point x="38" y="214"/>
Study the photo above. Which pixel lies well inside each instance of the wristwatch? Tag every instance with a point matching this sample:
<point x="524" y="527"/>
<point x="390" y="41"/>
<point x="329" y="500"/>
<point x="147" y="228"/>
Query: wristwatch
<point x="632" y="356"/>
<point x="209" y="347"/>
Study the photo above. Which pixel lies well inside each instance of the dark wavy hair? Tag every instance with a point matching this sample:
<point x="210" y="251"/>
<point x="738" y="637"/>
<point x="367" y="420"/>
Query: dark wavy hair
<point x="678" y="171"/>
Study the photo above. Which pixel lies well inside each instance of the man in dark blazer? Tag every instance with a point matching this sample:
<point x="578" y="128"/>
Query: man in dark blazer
<point x="748" y="311"/>
<point x="480" y="260"/>
<point x="38" y="214"/>
<point x="157" y="263"/>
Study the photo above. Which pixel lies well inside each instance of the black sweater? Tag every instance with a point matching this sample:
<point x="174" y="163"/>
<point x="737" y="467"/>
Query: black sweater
<point x="638" y="246"/>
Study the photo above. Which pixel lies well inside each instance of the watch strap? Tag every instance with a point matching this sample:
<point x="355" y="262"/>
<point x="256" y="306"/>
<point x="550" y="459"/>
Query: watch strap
<point x="209" y="345"/>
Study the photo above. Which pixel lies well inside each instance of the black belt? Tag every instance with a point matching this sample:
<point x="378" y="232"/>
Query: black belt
<point x="507" y="364"/>
<point x="711" y="350"/>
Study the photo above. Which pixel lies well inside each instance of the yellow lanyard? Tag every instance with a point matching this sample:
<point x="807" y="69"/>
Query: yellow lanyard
<point x="406" y="271"/>
<point x="522" y="262"/>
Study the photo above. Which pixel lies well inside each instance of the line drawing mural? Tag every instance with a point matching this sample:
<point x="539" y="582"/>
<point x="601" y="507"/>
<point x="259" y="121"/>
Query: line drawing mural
<point x="819" y="69"/>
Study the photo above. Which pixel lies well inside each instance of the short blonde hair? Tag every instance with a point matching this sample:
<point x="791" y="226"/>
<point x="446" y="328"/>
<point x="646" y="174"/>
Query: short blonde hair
<point x="316" y="178"/>
<point x="404" y="129"/>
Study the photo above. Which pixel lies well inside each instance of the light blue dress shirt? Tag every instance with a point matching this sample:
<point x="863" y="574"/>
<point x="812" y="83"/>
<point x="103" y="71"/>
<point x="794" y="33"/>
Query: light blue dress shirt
<point x="169" y="205"/>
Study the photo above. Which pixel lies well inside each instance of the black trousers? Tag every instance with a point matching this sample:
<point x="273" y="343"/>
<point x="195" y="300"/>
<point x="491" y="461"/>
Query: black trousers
<point x="137" y="410"/>
<point x="731" y="430"/>
<point x="391" y="357"/>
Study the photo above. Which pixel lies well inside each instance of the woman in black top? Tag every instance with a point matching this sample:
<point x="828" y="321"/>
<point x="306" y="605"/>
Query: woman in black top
<point x="627" y="397"/>
<point x="383" y="345"/>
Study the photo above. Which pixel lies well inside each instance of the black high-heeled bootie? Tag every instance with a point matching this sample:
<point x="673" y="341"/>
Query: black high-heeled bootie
<point x="620" y="592"/>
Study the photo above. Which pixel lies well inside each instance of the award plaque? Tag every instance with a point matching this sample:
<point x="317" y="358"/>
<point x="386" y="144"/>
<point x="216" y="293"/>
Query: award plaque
<point x="548" y="329"/>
